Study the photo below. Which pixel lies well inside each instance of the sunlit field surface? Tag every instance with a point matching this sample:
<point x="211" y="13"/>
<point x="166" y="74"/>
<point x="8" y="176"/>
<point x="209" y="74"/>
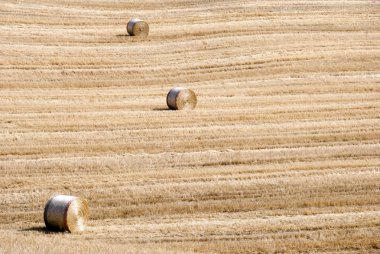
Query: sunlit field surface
<point x="281" y="154"/>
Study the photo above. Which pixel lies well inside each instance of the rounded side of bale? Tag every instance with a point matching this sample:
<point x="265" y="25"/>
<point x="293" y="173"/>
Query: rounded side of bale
<point x="130" y="25"/>
<point x="137" y="27"/>
<point x="180" y="98"/>
<point x="66" y="213"/>
<point x="171" y="98"/>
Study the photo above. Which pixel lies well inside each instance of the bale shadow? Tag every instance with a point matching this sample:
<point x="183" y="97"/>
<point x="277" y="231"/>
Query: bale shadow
<point x="123" y="35"/>
<point x="41" y="229"/>
<point x="161" y="109"/>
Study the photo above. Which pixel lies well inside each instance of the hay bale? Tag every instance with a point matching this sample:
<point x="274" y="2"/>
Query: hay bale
<point x="66" y="213"/>
<point x="181" y="98"/>
<point x="137" y="27"/>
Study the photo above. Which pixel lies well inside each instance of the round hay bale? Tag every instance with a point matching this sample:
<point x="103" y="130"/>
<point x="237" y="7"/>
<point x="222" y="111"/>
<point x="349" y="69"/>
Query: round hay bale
<point x="137" y="27"/>
<point x="180" y="98"/>
<point x="66" y="213"/>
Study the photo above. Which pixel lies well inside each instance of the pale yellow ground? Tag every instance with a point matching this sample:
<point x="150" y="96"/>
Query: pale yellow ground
<point x="282" y="153"/>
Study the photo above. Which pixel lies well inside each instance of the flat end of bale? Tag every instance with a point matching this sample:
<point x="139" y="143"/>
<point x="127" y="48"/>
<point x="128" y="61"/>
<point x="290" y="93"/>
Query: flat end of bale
<point x="77" y="215"/>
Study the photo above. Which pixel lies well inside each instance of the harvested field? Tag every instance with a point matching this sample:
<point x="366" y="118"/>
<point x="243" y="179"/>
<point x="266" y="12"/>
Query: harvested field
<point x="281" y="154"/>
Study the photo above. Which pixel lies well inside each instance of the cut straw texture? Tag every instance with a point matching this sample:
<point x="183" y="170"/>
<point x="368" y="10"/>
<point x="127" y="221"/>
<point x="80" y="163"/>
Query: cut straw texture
<point x="180" y="98"/>
<point x="66" y="213"/>
<point x="137" y="27"/>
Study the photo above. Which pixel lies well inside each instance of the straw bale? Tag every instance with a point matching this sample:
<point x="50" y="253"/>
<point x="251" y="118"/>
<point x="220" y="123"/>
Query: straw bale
<point x="137" y="27"/>
<point x="66" y="213"/>
<point x="180" y="98"/>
